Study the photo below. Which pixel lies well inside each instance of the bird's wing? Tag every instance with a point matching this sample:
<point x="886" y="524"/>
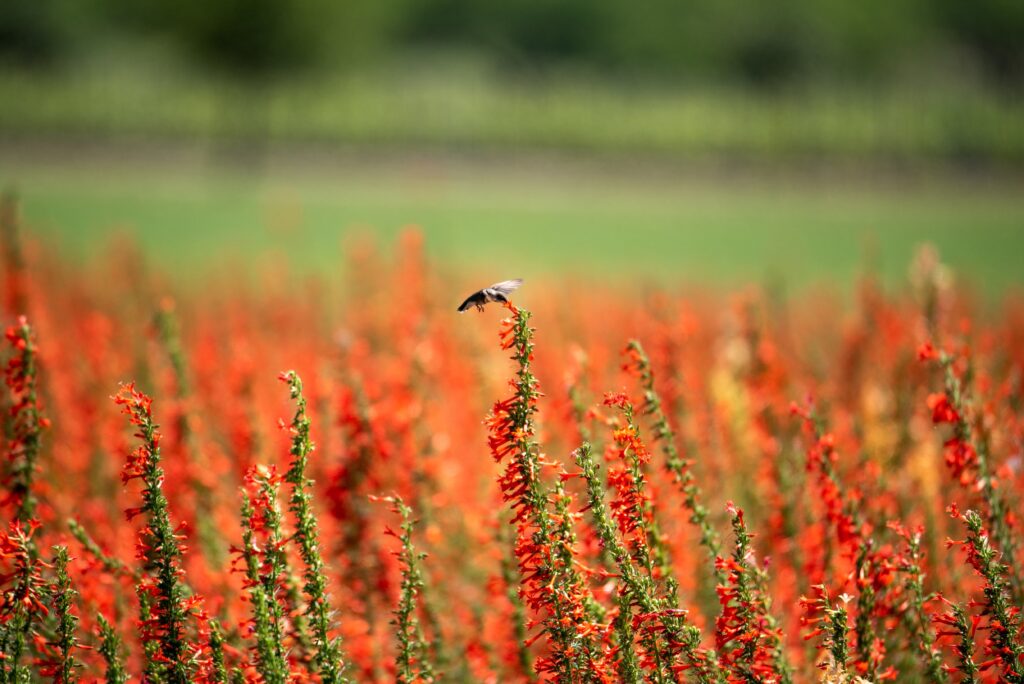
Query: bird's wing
<point x="475" y="298"/>
<point x="505" y="287"/>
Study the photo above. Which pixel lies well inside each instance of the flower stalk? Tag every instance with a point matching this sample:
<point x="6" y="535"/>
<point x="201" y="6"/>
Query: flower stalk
<point x="550" y="584"/>
<point x="412" y="662"/>
<point x="164" y="607"/>
<point x="26" y="424"/>
<point x="679" y="467"/>
<point x="327" y="654"/>
<point x="110" y="649"/>
<point x="64" y="664"/>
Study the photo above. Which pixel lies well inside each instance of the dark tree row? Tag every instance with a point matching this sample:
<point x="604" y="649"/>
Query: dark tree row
<point x="762" y="43"/>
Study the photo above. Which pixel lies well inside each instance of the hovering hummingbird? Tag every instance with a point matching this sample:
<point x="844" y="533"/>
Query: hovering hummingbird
<point x="495" y="293"/>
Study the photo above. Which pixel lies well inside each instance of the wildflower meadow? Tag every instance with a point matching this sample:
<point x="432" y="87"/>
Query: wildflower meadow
<point x="313" y="479"/>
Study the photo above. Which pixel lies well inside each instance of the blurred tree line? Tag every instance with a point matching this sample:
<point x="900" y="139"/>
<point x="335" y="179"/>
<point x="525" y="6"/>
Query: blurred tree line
<point x="766" y="44"/>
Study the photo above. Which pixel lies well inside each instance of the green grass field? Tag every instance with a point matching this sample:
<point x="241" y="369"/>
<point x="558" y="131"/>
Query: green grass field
<point x="533" y="218"/>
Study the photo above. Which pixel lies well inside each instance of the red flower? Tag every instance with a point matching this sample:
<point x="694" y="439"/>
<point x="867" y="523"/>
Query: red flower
<point x="962" y="460"/>
<point x="927" y="352"/>
<point x="619" y="399"/>
<point x="942" y="410"/>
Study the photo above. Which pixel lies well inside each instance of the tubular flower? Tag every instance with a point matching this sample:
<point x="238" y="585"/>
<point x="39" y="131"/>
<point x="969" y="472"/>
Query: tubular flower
<point x="873" y="578"/>
<point x="412" y="662"/>
<point x="960" y="456"/>
<point x="164" y="606"/>
<point x="539" y="568"/>
<point x="327" y="656"/>
<point x="638" y="364"/>
<point x="632" y="507"/>
<point x="550" y="584"/>
<point x="669" y="642"/>
<point x="921" y="636"/>
<point x="747" y="636"/>
<point x="821" y="459"/>
<point x="1002" y="644"/>
<point x="265" y="564"/>
<point x="955" y="623"/>
<point x="22" y="604"/>
<point x="969" y="461"/>
<point x="872" y="572"/>
<point x="830" y="624"/>
<point x="26" y="423"/>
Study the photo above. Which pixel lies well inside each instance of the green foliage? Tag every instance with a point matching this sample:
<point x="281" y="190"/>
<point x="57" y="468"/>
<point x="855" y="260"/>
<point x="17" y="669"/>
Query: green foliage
<point x="249" y="39"/>
<point x="263" y="571"/>
<point x="29" y="32"/>
<point x="767" y="44"/>
<point x="718" y="231"/>
<point x="328" y="655"/>
<point x="412" y="663"/>
<point x="453" y="106"/>
<point x="63" y="597"/>
<point x="992" y="30"/>
<point x="220" y="674"/>
<point x="110" y="649"/>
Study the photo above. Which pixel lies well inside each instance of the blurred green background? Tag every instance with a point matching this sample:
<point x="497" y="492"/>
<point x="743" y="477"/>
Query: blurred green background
<point x="709" y="140"/>
<point x="888" y="79"/>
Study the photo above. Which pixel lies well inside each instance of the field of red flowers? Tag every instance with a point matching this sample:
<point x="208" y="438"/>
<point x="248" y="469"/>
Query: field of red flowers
<point x="347" y="481"/>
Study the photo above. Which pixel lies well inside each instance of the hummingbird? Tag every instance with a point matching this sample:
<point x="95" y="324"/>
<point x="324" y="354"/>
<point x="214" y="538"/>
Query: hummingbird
<point x="495" y="293"/>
